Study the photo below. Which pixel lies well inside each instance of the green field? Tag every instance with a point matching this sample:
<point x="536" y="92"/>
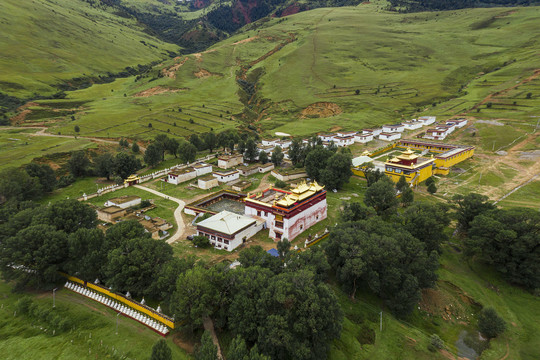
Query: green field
<point x="18" y="147"/>
<point x="93" y="335"/>
<point x="47" y="42"/>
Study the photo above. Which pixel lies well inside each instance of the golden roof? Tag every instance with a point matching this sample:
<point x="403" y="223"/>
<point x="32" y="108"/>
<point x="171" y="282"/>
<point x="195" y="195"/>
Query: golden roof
<point x="299" y="193"/>
<point x="408" y="155"/>
<point x="132" y="178"/>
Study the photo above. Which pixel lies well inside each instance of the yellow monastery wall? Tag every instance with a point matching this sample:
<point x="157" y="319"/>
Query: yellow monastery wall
<point x="453" y="160"/>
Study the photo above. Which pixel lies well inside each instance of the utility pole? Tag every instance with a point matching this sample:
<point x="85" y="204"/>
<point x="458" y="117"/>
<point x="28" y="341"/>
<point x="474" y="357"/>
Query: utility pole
<point x="54" y="297"/>
<point x="380" y="322"/>
<point x="493" y="149"/>
<point x="117" y="323"/>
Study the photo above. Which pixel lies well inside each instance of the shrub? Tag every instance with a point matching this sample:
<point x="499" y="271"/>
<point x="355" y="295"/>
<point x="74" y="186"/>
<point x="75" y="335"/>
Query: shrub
<point x="436" y="342"/>
<point x="432" y="188"/>
<point x="280" y="184"/>
<point x="490" y="323"/>
<point x="201" y="241"/>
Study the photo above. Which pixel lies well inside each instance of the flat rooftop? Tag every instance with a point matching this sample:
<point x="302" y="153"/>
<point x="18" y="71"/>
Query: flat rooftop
<point x="124" y="199"/>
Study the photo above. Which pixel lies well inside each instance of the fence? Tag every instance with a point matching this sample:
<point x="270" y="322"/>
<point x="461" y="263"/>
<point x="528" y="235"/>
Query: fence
<point x="143" y="178"/>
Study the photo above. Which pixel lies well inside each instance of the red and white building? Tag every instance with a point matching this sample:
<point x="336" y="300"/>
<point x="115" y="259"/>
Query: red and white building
<point x="288" y="213"/>
<point x="436" y="133"/>
<point x="413" y="124"/>
<point x="427" y="120"/>
<point x="363" y="138"/>
<point x="393" y="128"/>
<point x="459" y="123"/>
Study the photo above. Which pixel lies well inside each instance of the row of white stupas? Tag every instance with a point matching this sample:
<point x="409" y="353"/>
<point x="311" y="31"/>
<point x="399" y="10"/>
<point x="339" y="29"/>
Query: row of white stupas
<point x="115" y="305"/>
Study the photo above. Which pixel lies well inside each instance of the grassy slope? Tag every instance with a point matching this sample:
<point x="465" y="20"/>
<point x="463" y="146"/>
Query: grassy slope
<point x="45" y="42"/>
<point x="414" y="59"/>
<point x="94" y="335"/>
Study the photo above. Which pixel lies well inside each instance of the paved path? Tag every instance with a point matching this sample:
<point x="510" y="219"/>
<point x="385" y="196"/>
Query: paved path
<point x="177" y="212"/>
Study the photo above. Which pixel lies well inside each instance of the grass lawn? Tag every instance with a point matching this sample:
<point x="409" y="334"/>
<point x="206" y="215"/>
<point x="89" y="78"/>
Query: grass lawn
<point x="92" y="337"/>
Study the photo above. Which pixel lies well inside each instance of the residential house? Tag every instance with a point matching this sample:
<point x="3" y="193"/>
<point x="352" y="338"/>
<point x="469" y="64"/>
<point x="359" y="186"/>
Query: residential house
<point x="124" y="202"/>
<point x="226" y="176"/>
<point x="229" y="161"/>
<point x="389" y="136"/>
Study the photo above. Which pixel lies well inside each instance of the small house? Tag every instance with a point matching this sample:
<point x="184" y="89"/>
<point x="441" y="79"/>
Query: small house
<point x="458" y="123"/>
<point x="264" y="168"/>
<point x="270" y="142"/>
<point x="390" y="136"/>
<point x="393" y="128"/>
<point x="226" y="176"/>
<point x="124" y="202"/>
<point x="207" y="182"/>
<point x="375" y="132"/>
<point x="412" y="124"/>
<point x="327" y="137"/>
<point x="436" y="134"/>
<point x="181" y="175"/>
<point x="248" y="170"/>
<point x="202" y="168"/>
<point x="110" y="213"/>
<point x="427" y="120"/>
<point x="363" y="138"/>
<point x="229" y="161"/>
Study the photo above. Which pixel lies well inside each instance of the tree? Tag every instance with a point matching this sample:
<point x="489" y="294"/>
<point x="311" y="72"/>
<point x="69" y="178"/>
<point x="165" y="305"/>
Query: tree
<point x="161" y="351"/>
<point x="427" y="222"/>
<point x="126" y="164"/>
<point x="38" y="251"/>
<point x="251" y="150"/>
<point x="210" y="140"/>
<point x="407" y="197"/>
<point x="238" y="349"/>
<point x="529" y="95"/>
<point x="135" y="147"/>
<point x="104" y="165"/>
<point x="77" y="129"/>
<point x="161" y="142"/>
<point x="277" y="156"/>
<point x="223" y="139"/>
<point x="372" y="175"/>
<point x="207" y="350"/>
<point x="384" y="257"/>
<point x="337" y="171"/>
<point x="469" y="206"/>
<point x="132" y="266"/>
<point x="287" y="330"/>
<point x="44" y="174"/>
<point x="381" y="196"/>
<point x="284" y="249"/>
<point x="152" y="155"/>
<point x="508" y="240"/>
<point x="402" y="184"/>
<point x="69" y="216"/>
<point x="257" y="256"/>
<point x="241" y="147"/>
<point x="295" y="153"/>
<point x="429" y="180"/>
<point x="17" y="184"/>
<point x="188" y="152"/>
<point x="313" y="260"/>
<point x="165" y="283"/>
<point x="78" y="164"/>
<point x="355" y="211"/>
<point x="490" y="323"/>
<point x="263" y="157"/>
<point x="196" y="296"/>
<point x="432" y="188"/>
<point x="197" y="142"/>
<point x="436" y="342"/>
<point x="86" y="255"/>
<point x="171" y="145"/>
<point x="201" y="241"/>
<point x="316" y="162"/>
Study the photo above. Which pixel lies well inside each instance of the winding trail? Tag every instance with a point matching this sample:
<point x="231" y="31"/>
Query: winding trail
<point x="177" y="212"/>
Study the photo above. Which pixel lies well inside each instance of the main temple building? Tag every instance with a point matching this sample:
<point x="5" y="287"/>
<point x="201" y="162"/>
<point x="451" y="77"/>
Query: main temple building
<point x="288" y="213"/>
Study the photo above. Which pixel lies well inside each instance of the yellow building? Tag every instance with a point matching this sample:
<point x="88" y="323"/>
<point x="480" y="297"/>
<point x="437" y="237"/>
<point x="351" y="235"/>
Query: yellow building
<point x="411" y="165"/>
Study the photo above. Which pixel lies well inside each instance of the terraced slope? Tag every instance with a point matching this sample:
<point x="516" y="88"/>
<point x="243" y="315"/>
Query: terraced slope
<point x="44" y="43"/>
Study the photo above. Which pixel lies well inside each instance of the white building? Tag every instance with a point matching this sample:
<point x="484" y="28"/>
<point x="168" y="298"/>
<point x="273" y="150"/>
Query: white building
<point x="363" y="138"/>
<point x="202" y="168"/>
<point x="390" y="136"/>
<point x="284" y="144"/>
<point x="393" y="128"/>
<point x="375" y="132"/>
<point x="327" y="137"/>
<point x="270" y="142"/>
<point x="228" y="161"/>
<point x="343" y="141"/>
<point x="227" y="230"/>
<point x="436" y="134"/>
<point x="226" y="176"/>
<point x="207" y="182"/>
<point x="181" y="175"/>
<point x="124" y="202"/>
<point x="459" y="123"/>
<point x="412" y="124"/>
<point x="427" y="120"/>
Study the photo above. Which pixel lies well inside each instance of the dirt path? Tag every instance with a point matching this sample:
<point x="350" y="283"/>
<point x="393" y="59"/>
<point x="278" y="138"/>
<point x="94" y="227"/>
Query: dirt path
<point x="209" y="326"/>
<point x="177" y="213"/>
<point x="314" y="41"/>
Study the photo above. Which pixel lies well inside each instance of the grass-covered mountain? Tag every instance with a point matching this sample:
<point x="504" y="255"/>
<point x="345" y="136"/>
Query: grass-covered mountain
<point x="360" y="64"/>
<point x="46" y="43"/>
<point x="427" y="5"/>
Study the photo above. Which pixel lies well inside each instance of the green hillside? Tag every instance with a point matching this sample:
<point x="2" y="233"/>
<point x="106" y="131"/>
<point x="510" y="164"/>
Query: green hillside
<point x="368" y="67"/>
<point x="44" y="43"/>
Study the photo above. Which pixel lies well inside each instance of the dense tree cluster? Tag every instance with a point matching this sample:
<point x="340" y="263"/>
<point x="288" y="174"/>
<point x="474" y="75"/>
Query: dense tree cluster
<point x="383" y="256"/>
<point x="286" y="311"/>
<point x="509" y="240"/>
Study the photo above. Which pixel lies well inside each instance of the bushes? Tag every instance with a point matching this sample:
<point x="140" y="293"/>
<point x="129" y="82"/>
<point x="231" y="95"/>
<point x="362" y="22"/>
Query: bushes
<point x="53" y="319"/>
<point x="201" y="241"/>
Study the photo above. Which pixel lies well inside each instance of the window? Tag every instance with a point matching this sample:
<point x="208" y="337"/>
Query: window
<point x="258" y="213"/>
<point x="226" y="242"/>
<point x="301" y="227"/>
<point x="219" y="239"/>
<point x="213" y="237"/>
